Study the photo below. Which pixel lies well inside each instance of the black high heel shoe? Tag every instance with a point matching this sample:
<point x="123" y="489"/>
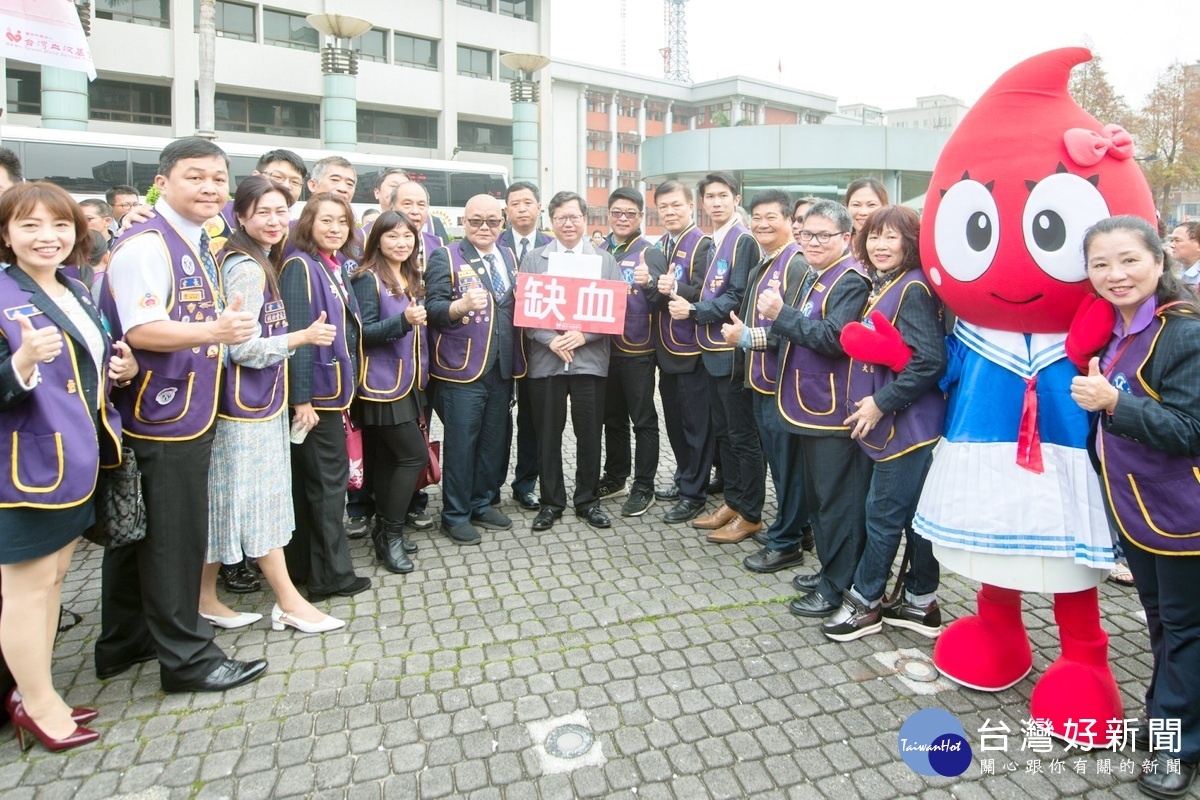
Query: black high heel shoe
<point x="81" y="715"/>
<point x="23" y="724"/>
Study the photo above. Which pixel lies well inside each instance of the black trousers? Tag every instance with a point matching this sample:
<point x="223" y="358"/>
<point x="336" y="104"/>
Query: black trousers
<point x="398" y="456"/>
<point x="475" y="422"/>
<point x="685" y="400"/>
<point x="740" y="449"/>
<point x="837" y="477"/>
<point x="318" y="553"/>
<point x="549" y="395"/>
<point x="150" y="591"/>
<point x="629" y="397"/>
<point x="525" y="473"/>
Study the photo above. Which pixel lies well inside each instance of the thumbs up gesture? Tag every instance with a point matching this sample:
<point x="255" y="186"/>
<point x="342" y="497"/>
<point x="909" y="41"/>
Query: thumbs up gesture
<point x="37" y="345"/>
<point x="731" y="332"/>
<point x="321" y="333"/>
<point x="641" y="274"/>
<point x="770" y="303"/>
<point x="234" y="326"/>
<point x="1093" y="392"/>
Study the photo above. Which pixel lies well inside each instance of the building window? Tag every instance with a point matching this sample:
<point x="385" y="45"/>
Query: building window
<point x="474" y="63"/>
<point x="288" y="30"/>
<point x="482" y="5"/>
<point x="264" y="115"/>
<point x="372" y="45"/>
<point x="24" y="91"/>
<point x="119" y="101"/>
<point x="234" y="21"/>
<point x="141" y="12"/>
<point x="629" y="147"/>
<point x="506" y="74"/>
<point x="407" y="130"/>
<point x="413" y="51"/>
<point x="520" y="9"/>
<point x="481" y="137"/>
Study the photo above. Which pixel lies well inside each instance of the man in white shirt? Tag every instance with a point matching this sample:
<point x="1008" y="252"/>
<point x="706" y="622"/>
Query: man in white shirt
<point x="1185" y="245"/>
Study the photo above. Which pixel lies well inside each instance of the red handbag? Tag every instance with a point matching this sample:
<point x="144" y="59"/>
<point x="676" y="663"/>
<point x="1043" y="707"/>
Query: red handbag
<point x="433" y="469"/>
<point x="354" y="451"/>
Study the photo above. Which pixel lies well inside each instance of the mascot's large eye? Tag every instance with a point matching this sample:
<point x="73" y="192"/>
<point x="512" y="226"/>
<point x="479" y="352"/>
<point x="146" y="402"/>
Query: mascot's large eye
<point x="1059" y="210"/>
<point x="967" y="230"/>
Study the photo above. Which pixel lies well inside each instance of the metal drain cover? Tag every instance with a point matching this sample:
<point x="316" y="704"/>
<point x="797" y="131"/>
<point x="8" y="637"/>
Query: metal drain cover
<point x="917" y="669"/>
<point x="569" y="741"/>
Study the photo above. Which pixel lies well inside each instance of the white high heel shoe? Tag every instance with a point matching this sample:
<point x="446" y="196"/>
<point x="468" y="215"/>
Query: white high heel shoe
<point x="280" y="619"/>
<point x="229" y="623"/>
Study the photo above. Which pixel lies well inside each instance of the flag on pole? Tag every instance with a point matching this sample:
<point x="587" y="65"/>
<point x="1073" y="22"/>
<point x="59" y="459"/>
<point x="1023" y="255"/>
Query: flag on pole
<point x="780" y="66"/>
<point x="46" y="32"/>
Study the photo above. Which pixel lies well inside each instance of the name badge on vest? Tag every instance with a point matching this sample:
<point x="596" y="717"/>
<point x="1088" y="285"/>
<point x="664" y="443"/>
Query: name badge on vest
<point x="191" y="296"/>
<point x="187" y="265"/>
<point x="273" y="313"/>
<point x="191" y="283"/>
<point x="16" y="312"/>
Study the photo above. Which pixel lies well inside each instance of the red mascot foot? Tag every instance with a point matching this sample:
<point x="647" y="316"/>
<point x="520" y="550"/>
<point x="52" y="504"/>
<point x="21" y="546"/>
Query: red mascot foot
<point x="1079" y="685"/>
<point x="989" y="651"/>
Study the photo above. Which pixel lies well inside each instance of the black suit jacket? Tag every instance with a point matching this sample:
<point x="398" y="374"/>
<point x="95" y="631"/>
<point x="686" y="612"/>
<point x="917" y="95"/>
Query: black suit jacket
<point x="508" y="238"/>
<point x="439" y="295"/>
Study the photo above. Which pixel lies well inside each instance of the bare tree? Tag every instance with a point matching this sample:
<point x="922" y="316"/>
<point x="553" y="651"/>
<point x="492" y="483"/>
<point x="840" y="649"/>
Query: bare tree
<point x="1168" y="133"/>
<point x="1091" y="89"/>
<point x="206" y="117"/>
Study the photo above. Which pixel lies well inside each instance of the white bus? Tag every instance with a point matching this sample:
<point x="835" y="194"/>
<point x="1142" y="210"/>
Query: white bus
<point x="86" y="164"/>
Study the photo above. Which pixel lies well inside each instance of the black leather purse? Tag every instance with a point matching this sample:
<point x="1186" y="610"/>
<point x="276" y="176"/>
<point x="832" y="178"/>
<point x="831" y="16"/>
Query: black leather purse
<point x="120" y="508"/>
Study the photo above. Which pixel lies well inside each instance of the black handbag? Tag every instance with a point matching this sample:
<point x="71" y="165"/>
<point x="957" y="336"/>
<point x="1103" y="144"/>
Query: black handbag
<point x="120" y="508"/>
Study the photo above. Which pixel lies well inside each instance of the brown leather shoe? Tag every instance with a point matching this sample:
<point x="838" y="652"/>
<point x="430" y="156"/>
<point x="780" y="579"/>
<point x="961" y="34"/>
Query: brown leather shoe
<point x="716" y="519"/>
<point x="734" y="531"/>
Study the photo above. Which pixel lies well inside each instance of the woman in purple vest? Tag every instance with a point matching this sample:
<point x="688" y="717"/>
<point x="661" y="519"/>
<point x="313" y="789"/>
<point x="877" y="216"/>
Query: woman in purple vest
<point x="897" y="413"/>
<point x="1145" y="384"/>
<point x="247" y="512"/>
<point x="57" y="428"/>
<point x="390" y="295"/>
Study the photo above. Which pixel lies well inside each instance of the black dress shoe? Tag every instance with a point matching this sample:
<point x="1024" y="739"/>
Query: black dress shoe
<point x="762" y="537"/>
<point x="813" y="604"/>
<point x="806" y="583"/>
<point x="767" y="560"/>
<point x="239" y="579"/>
<point x="669" y="493"/>
<point x="1164" y="784"/>
<point x="545" y="518"/>
<point x="716" y="484"/>
<point x="355" y="586"/>
<point x="595" y="517"/>
<point x="227" y="675"/>
<point x="808" y="541"/>
<point x="491" y="519"/>
<point x="684" y="511"/>
<point x="527" y="500"/>
<point x="113" y="670"/>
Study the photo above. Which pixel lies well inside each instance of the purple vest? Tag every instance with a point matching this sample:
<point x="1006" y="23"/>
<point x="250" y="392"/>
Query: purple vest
<point x="429" y="243"/>
<point x="391" y="369"/>
<point x="679" y="335"/>
<point x="636" y="338"/>
<point x="174" y="396"/>
<point x="48" y="442"/>
<point x="257" y="394"/>
<point x="762" y="367"/>
<point x="333" y="379"/>
<point x="1153" y="495"/>
<point x="812" y="386"/>
<point x="460" y="352"/>
<point x="918" y="424"/>
<point x="716" y="283"/>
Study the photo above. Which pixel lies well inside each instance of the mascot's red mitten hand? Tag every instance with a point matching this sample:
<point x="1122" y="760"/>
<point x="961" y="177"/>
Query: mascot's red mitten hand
<point x="881" y="344"/>
<point x="1090" y="330"/>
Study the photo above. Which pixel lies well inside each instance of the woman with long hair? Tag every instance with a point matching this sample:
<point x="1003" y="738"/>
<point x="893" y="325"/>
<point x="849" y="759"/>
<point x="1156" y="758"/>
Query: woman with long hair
<point x="897" y="416"/>
<point x="315" y="282"/>
<point x="1145" y="385"/>
<point x="390" y="293"/>
<point x="54" y="441"/>
<point x="251" y="460"/>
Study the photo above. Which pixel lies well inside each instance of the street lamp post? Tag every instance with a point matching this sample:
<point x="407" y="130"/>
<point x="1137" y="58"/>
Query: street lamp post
<point x="524" y="94"/>
<point x="339" y="65"/>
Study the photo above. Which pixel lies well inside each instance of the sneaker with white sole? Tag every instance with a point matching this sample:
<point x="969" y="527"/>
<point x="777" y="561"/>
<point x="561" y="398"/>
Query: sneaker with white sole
<point x="611" y="487"/>
<point x="925" y="620"/>
<point x="638" y="503"/>
<point x="852" y="621"/>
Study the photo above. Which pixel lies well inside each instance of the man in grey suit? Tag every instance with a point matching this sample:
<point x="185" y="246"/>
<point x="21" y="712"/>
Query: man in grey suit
<point x="568" y="364"/>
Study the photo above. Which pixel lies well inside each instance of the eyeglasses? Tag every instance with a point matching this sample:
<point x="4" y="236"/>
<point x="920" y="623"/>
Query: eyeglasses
<point x="573" y="219"/>
<point x="128" y="204"/>
<point x="279" y="177"/>
<point x="822" y="237"/>
<point x="623" y="214"/>
<point x="479" y="223"/>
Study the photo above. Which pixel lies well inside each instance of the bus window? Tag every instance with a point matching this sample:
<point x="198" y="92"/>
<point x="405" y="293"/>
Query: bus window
<point x="240" y="168"/>
<point x="364" y="190"/>
<point x="145" y="167"/>
<point x="465" y="185"/>
<point x="82" y="170"/>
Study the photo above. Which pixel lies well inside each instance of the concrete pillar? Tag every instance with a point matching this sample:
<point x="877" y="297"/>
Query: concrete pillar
<point x="735" y="111"/>
<point x="762" y="113"/>
<point x="614" y="146"/>
<point x="582" y="107"/>
<point x="64" y="99"/>
<point x="525" y="141"/>
<point x="339" y="113"/>
<point x="669" y="119"/>
<point x="641" y="129"/>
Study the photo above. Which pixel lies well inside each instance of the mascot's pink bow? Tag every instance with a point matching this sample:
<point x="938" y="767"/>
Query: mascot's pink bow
<point x="1087" y="147"/>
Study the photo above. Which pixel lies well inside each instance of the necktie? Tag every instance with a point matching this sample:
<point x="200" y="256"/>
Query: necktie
<point x="210" y="269"/>
<point x="498" y="284"/>
<point x="524" y="247"/>
<point x="810" y="278"/>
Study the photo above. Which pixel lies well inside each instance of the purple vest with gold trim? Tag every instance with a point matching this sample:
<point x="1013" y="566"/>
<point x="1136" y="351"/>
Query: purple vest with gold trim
<point x="334" y="378"/>
<point x="716" y="283"/>
<point x="762" y="367"/>
<point x="636" y="338"/>
<point x="174" y="396"/>
<point x="49" y="443"/>
<point x="918" y="424"/>
<point x="679" y="335"/>
<point x="257" y="394"/>
<point x="812" y="387"/>
<point x="391" y="369"/>
<point x="1152" y="493"/>
<point x="459" y="352"/>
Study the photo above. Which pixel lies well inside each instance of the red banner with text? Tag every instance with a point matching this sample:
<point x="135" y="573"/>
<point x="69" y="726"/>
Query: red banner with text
<point x="561" y="303"/>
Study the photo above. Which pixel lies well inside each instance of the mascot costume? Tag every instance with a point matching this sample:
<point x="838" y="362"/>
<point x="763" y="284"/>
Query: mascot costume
<point x="1011" y="499"/>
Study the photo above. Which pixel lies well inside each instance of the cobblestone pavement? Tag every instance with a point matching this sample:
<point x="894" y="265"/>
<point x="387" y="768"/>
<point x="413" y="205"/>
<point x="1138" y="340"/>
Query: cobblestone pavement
<point x="688" y="671"/>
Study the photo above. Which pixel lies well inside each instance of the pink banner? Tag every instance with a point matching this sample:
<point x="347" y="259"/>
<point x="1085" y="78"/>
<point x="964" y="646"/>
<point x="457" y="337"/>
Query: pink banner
<point x="46" y="32"/>
<point x="559" y="303"/>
